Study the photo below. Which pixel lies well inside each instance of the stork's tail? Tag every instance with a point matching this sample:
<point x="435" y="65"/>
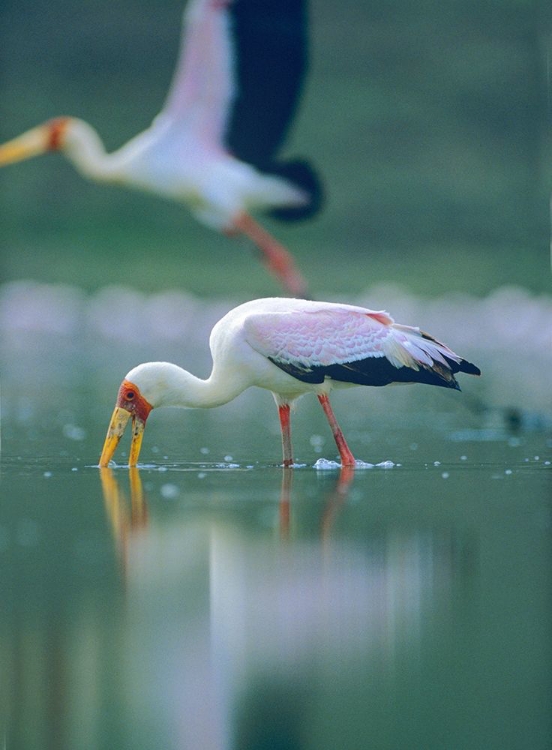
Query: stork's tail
<point x="469" y="367"/>
<point x="303" y="176"/>
<point x="452" y="364"/>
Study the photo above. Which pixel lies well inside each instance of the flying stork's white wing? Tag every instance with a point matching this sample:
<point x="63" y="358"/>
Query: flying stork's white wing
<point x="203" y="84"/>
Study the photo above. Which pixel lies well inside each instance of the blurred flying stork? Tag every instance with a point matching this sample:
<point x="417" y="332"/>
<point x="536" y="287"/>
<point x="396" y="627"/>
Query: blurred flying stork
<point x="214" y="144"/>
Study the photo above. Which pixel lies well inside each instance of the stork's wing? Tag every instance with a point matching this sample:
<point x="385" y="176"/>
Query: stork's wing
<point x="354" y="346"/>
<point x="203" y="84"/>
<point x="270" y="40"/>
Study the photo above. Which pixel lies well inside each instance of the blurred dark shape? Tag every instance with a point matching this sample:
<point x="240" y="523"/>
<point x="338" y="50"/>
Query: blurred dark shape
<point x="271" y="717"/>
<point x="513" y="418"/>
<point x="304" y="176"/>
<point x="272" y="59"/>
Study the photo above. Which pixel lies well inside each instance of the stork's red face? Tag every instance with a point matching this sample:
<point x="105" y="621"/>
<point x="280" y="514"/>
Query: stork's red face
<point x="47" y="137"/>
<point x="130" y="405"/>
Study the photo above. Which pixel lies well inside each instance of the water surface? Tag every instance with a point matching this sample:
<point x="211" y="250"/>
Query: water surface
<point x="214" y="600"/>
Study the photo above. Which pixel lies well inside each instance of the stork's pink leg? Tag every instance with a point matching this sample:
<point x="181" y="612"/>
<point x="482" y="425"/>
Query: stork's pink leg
<point x="277" y="258"/>
<point x="347" y="458"/>
<point x="284" y="414"/>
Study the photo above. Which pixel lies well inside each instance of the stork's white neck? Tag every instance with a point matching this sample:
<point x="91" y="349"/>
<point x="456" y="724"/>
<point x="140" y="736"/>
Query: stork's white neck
<point x="166" y="384"/>
<point x="84" y="148"/>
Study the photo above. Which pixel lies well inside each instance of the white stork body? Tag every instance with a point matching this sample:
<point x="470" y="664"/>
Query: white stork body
<point x="186" y="154"/>
<point x="290" y="347"/>
<point x="216" y="187"/>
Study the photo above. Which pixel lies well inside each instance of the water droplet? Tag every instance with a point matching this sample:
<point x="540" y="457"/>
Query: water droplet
<point x="169" y="491"/>
<point x="73" y="432"/>
<point x="317" y="441"/>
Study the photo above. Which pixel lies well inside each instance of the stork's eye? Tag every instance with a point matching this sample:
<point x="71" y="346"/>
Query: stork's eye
<point x="130" y="395"/>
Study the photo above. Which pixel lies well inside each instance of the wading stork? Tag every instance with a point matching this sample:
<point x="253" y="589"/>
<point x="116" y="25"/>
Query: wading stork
<point x="290" y="347"/>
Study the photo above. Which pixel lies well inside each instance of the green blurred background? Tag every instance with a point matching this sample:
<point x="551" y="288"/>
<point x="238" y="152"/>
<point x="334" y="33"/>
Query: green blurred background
<point x="428" y="121"/>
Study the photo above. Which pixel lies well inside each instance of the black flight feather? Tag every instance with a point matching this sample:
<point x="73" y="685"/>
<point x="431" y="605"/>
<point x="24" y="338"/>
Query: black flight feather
<point x="379" y="371"/>
<point x="271" y="62"/>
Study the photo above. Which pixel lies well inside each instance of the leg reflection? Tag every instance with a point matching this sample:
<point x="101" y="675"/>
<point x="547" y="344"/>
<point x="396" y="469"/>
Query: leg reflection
<point x="335" y="501"/>
<point x="285" y="502"/>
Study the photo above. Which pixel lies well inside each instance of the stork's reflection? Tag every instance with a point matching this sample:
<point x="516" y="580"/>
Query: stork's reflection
<point x="237" y="628"/>
<point x="129" y="516"/>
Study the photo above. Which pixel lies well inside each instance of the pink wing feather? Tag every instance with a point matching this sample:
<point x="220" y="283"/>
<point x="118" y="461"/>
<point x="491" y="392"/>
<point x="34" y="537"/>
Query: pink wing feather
<point x="343" y="334"/>
<point x="353" y="345"/>
<point x="320" y="337"/>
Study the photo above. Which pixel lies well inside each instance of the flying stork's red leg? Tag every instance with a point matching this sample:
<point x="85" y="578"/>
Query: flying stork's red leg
<point x="284" y="414"/>
<point x="277" y="258"/>
<point x="347" y="458"/>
